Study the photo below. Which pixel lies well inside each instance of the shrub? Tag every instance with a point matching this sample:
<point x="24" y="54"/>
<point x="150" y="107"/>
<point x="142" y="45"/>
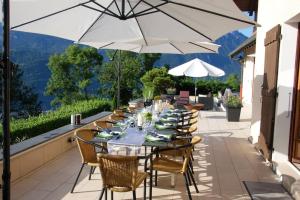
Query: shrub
<point x="159" y="79"/>
<point x="234" y="102"/>
<point x="22" y="129"/>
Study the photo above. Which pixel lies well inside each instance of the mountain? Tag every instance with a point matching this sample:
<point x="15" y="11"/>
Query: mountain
<point x="32" y="51"/>
<point x="228" y="43"/>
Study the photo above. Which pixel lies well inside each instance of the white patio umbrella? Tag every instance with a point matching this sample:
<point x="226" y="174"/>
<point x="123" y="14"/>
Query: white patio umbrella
<point x="167" y="47"/>
<point x="196" y="68"/>
<point x="145" y="22"/>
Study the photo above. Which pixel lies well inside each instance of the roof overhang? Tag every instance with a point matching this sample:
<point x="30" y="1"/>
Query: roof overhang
<point x="247" y="5"/>
<point x="246" y="44"/>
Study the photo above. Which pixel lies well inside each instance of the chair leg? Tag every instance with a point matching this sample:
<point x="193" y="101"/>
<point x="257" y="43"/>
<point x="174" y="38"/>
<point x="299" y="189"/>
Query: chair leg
<point x="102" y="193"/>
<point x="187" y="186"/>
<point x="189" y="178"/>
<point x="77" y="177"/>
<point x="194" y="182"/>
<point x="111" y="195"/>
<point x="94" y="170"/>
<point x="192" y="157"/>
<point x="91" y="171"/>
<point x="145" y="188"/>
<point x="151" y="183"/>
<point x="155" y="178"/>
<point x="191" y="166"/>
<point x="105" y="193"/>
<point x="133" y="195"/>
<point x="145" y="150"/>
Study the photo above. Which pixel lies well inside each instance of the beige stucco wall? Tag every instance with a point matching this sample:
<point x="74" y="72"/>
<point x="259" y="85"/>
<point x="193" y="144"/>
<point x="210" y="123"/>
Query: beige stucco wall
<point x="27" y="161"/>
<point x="271" y="13"/>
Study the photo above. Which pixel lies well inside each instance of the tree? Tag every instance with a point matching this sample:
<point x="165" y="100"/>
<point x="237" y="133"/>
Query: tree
<point x="71" y="74"/>
<point x="233" y="82"/>
<point x="24" y="100"/>
<point x="148" y="60"/>
<point x="130" y="72"/>
<point x="159" y="79"/>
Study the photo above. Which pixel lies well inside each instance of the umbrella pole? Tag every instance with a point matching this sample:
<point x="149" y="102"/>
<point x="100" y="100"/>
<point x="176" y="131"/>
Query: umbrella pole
<point x="195" y="92"/>
<point x="6" y="73"/>
<point x="119" y="77"/>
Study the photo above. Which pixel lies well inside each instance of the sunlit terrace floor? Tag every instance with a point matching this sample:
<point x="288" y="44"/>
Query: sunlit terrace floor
<point x="223" y="160"/>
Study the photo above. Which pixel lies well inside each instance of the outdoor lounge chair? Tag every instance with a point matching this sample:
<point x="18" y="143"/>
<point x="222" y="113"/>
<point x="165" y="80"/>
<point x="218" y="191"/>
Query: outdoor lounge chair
<point x="87" y="151"/>
<point x="120" y="174"/>
<point x="183" y="98"/>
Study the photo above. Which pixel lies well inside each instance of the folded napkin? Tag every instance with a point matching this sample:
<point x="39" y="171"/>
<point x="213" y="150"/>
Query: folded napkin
<point x="169" y="119"/>
<point x="104" y="135"/>
<point x="109" y="134"/>
<point x="119" y="124"/>
<point x="158" y="137"/>
<point x="162" y="126"/>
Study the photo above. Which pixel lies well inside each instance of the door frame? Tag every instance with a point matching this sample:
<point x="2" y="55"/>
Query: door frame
<point x="294" y="101"/>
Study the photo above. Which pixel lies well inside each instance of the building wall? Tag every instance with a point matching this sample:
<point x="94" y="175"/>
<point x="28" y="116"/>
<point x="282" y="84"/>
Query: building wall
<point x="269" y="15"/>
<point x="248" y="67"/>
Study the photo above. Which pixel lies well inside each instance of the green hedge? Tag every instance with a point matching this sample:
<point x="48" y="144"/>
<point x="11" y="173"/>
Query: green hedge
<point x="22" y="129"/>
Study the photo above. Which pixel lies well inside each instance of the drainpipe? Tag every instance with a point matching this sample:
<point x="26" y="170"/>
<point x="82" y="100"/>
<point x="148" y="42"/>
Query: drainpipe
<point x="6" y="73"/>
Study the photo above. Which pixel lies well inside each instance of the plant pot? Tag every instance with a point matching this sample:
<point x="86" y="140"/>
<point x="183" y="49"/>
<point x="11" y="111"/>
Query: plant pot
<point x="233" y="114"/>
<point x="147" y="103"/>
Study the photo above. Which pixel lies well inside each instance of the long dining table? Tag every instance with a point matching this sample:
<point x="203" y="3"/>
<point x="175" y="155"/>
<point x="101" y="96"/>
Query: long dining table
<point x="131" y="139"/>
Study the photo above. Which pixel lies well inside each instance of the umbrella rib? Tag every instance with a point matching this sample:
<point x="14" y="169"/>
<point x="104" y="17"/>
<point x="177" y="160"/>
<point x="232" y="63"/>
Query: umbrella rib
<point x="198" y="45"/>
<point x="85" y="32"/>
<point x="106" y="45"/>
<point x="210" y="12"/>
<point x="181" y="22"/>
<point x="105" y="9"/>
<point x="176" y="47"/>
<point x="145" y="12"/>
<point x="142" y="14"/>
<point x="117" y="7"/>
<point x="138" y="24"/>
<point x="133" y="8"/>
<point x="113" y="15"/>
<point x="49" y="15"/>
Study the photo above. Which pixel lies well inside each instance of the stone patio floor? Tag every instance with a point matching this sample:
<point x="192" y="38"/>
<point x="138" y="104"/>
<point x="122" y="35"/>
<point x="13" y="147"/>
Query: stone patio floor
<point x="223" y="160"/>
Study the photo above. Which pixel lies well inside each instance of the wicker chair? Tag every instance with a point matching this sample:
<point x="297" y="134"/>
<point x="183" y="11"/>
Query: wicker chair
<point x="103" y="124"/>
<point x="120" y="174"/>
<point x="115" y="117"/>
<point x="87" y="151"/>
<point x="162" y="163"/>
<point x="119" y="112"/>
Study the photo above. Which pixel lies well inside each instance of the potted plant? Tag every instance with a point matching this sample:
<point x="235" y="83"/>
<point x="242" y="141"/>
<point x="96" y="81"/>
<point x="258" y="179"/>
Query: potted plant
<point x="233" y="108"/>
<point x="171" y="91"/>
<point x="148" y="95"/>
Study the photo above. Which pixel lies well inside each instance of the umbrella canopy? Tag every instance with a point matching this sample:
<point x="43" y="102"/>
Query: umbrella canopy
<point x="143" y="21"/>
<point x="196" y="68"/>
<point x="167" y="47"/>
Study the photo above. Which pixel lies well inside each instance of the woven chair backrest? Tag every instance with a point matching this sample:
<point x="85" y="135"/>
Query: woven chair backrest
<point x="193" y="120"/>
<point x="119" y="112"/>
<point x="116" y="117"/>
<point x="196" y="140"/>
<point x="102" y="124"/>
<point x="193" y="128"/>
<point x="119" y="171"/>
<point x="195" y="113"/>
<point x="87" y="151"/>
<point x="188" y="152"/>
